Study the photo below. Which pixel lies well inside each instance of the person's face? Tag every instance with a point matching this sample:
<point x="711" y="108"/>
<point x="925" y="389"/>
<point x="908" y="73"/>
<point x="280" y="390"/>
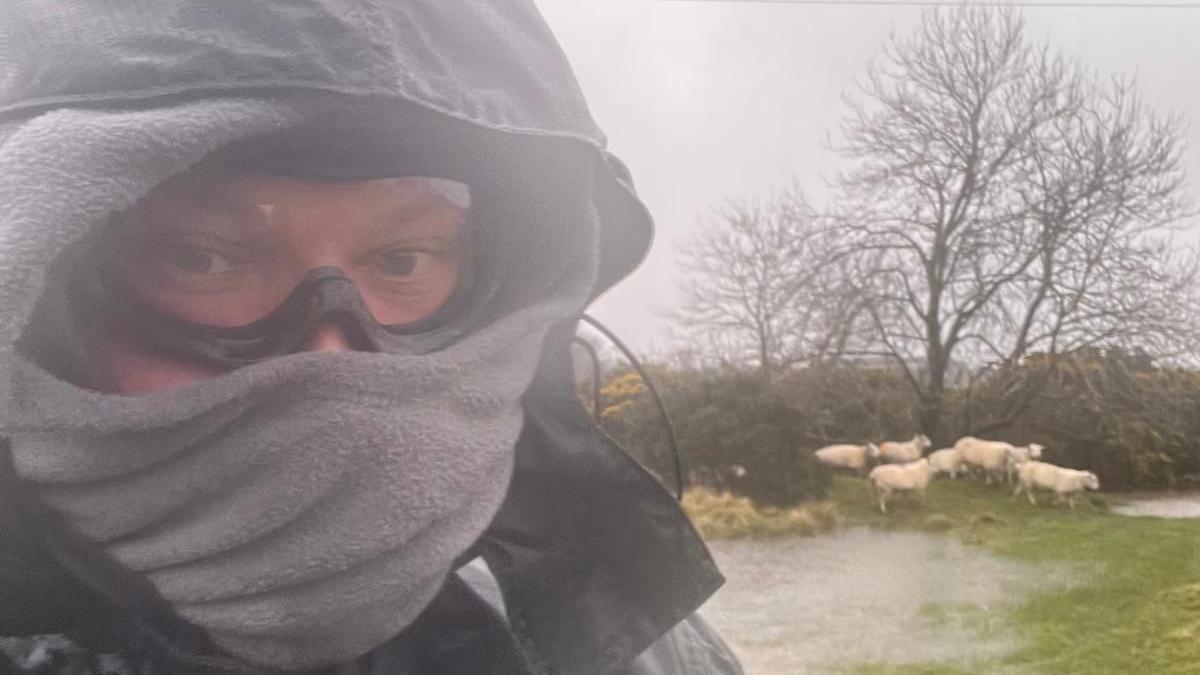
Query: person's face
<point x="226" y="249"/>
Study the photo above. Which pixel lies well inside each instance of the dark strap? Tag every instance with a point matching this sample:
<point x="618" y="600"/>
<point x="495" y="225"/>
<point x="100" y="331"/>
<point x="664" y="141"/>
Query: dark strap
<point x="595" y="558"/>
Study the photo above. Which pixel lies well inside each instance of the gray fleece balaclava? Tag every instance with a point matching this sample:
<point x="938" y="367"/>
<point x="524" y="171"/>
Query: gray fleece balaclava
<point x="301" y="510"/>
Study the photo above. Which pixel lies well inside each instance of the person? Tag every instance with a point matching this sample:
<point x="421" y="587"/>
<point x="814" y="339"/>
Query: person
<point x="288" y="292"/>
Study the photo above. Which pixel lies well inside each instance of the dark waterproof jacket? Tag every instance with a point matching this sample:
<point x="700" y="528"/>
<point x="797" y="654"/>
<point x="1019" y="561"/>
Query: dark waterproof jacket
<point x="597" y="569"/>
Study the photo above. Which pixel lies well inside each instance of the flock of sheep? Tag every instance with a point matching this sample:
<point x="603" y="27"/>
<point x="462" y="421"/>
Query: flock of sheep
<point x="902" y="467"/>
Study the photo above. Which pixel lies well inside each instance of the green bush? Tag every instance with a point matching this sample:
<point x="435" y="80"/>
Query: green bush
<point x="847" y="404"/>
<point x="1111" y="412"/>
<point x="752" y="438"/>
<point x="1135" y="424"/>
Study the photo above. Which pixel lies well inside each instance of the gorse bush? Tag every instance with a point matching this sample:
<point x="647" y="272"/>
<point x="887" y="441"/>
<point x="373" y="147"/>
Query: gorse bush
<point x="846" y="404"/>
<point x="737" y="434"/>
<point x="1135" y="424"/>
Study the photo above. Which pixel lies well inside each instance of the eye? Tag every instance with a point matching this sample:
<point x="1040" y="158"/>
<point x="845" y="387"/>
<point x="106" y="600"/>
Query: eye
<point x="195" y="260"/>
<point x="399" y="262"/>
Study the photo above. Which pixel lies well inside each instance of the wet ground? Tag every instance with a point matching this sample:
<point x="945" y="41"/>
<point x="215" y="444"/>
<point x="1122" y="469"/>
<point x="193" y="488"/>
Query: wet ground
<point x="1162" y="506"/>
<point x="817" y="604"/>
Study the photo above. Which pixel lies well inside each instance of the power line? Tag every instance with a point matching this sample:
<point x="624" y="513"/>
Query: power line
<point x="946" y="3"/>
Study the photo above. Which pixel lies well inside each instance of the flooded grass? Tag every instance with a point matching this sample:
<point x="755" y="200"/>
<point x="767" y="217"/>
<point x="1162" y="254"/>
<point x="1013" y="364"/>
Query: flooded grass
<point x="1136" y="611"/>
<point x="1162" y="506"/>
<point x="964" y="580"/>
<point x="862" y="598"/>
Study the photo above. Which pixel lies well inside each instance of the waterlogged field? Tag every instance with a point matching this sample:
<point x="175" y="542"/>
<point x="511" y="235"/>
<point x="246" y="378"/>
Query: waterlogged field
<point x="967" y="580"/>
<point x="859" y="596"/>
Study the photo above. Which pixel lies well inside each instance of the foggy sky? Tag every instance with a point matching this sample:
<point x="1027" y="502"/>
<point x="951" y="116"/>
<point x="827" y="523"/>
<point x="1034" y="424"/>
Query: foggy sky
<point x="707" y="101"/>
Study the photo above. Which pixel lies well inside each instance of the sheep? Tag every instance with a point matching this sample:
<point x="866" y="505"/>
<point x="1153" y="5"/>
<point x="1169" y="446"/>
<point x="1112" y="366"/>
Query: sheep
<point x="887" y="479"/>
<point x="908" y="451"/>
<point x="989" y="455"/>
<point x="1017" y="455"/>
<point x="947" y="460"/>
<point x="1064" y="482"/>
<point x="846" y="456"/>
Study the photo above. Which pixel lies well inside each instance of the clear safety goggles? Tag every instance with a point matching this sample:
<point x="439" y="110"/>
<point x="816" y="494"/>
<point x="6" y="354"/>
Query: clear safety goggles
<point x="296" y="302"/>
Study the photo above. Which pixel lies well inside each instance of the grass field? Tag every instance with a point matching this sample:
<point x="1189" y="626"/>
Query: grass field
<point x="1137" y="609"/>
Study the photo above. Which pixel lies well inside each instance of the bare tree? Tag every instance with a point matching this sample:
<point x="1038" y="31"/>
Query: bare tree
<point x="1005" y="202"/>
<point x="755" y="286"/>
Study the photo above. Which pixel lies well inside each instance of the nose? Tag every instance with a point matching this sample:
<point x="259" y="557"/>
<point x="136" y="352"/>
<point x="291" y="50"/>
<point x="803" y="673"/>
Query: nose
<point x="327" y="337"/>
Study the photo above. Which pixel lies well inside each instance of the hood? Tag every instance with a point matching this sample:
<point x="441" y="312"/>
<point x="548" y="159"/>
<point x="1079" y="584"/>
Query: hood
<point x="100" y="100"/>
<point x="476" y="91"/>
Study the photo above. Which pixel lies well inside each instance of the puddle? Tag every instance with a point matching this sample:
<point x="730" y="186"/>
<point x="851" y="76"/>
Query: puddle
<point x="806" y="605"/>
<point x="1175" y="506"/>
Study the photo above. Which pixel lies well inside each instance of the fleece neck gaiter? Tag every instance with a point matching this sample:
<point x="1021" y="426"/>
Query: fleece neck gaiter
<point x="302" y="510"/>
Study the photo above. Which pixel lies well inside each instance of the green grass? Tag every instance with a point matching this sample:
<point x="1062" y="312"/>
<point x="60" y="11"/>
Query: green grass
<point x="907" y="669"/>
<point x="1135" y="609"/>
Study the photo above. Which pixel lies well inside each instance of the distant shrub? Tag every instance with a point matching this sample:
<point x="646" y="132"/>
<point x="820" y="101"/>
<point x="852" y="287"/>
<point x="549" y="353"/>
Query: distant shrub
<point x="737" y="434"/>
<point x="844" y="403"/>
<point x="1134" y="424"/>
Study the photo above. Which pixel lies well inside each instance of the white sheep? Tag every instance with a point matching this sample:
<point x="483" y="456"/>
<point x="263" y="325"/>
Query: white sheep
<point x="902" y="452"/>
<point x="1063" y="482"/>
<point x="887" y="479"/>
<point x="847" y="456"/>
<point x="989" y="455"/>
<point x="1016" y="455"/>
<point x="947" y="460"/>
